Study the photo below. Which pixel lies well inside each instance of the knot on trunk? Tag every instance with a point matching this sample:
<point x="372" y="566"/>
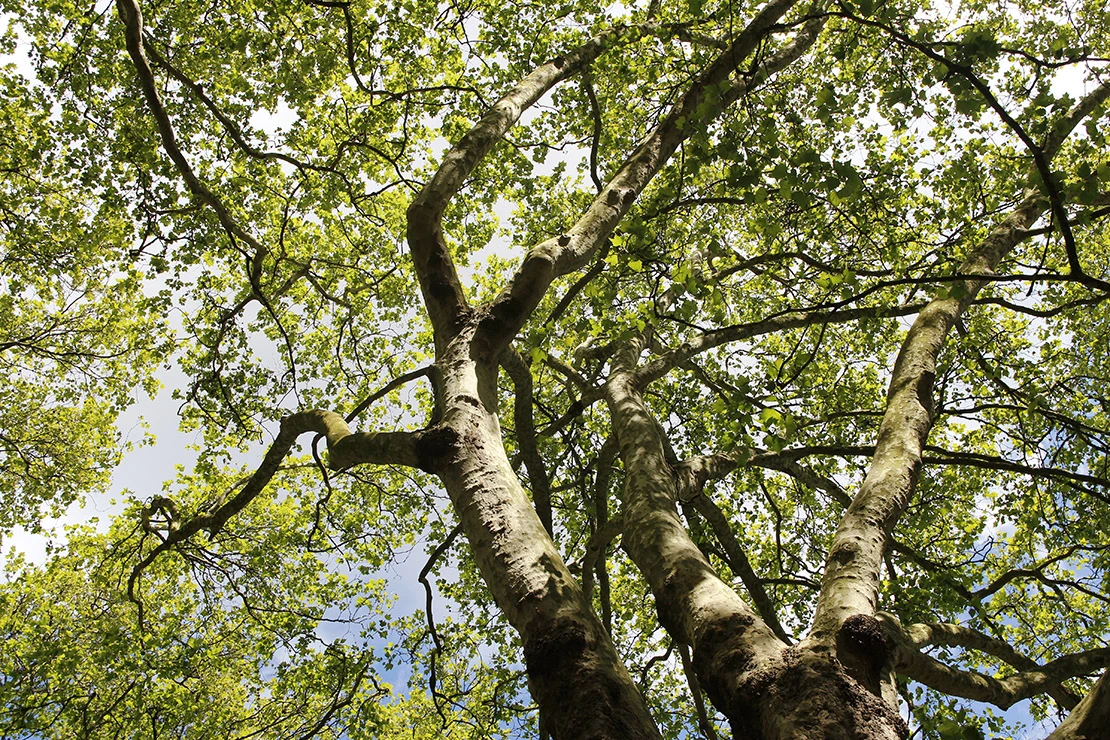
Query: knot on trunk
<point x="862" y="646"/>
<point x="436" y="447"/>
<point x="723" y="656"/>
<point x="553" y="651"/>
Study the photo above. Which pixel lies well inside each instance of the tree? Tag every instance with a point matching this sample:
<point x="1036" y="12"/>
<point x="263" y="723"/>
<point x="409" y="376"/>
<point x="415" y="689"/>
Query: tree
<point x="759" y="350"/>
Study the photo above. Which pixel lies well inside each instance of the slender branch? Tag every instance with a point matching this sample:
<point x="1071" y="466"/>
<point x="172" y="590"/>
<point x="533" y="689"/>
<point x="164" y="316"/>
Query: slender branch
<point x="1042" y="155"/>
<point x="738" y="561"/>
<point x="595" y="550"/>
<point x="595" y="140"/>
<point x="710" y="94"/>
<point x="663" y="364"/>
<point x="133" y="22"/>
<point x="606" y="458"/>
<point x="436" y="554"/>
<point x="1002" y="692"/>
<point x="233" y="130"/>
<point x="521" y="375"/>
<point x="345" y="450"/>
<point x="704" y="722"/>
<point x="397" y="382"/>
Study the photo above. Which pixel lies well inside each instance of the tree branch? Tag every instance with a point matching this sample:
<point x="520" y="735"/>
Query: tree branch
<point x="1042" y="155"/>
<point x="439" y="282"/>
<point x="132" y="19"/>
<point x="521" y="375"/>
<point x="850" y="583"/>
<point x="345" y="450"/>
<point x="710" y="94"/>
<point x="663" y="364"/>
<point x="1002" y="692"/>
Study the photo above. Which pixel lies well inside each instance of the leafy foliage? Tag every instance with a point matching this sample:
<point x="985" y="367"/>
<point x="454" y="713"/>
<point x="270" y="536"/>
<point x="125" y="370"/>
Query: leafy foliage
<point x="771" y="269"/>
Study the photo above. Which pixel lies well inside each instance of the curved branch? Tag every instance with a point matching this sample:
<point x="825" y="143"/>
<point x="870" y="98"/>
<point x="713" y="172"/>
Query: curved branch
<point x="595" y="550"/>
<point x="738" y="562"/>
<point x="704" y="722"/>
<point x="1042" y="155"/>
<point x="666" y="362"/>
<point x="851" y="579"/>
<point x="436" y="554"/>
<point x="606" y="457"/>
<point x="710" y="94"/>
<point x="955" y="635"/>
<point x="133" y="22"/>
<point x="1002" y="692"/>
<point x="397" y="382"/>
<point x="439" y="282"/>
<point x="345" y="450"/>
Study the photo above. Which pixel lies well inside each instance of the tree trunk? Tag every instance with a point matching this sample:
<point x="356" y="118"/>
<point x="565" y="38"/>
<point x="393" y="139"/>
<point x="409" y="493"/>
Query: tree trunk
<point x="1090" y="720"/>
<point x="766" y="689"/>
<point x="575" y="675"/>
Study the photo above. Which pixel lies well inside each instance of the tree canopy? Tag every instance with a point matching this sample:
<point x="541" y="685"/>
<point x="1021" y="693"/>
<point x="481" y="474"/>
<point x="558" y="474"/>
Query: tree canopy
<point x="672" y="369"/>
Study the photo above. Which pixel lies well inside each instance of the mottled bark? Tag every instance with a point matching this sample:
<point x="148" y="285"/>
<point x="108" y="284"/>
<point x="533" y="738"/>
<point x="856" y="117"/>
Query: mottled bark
<point x="1091" y="719"/>
<point x="851" y="578"/>
<point x="766" y="689"/>
<point x="575" y="675"/>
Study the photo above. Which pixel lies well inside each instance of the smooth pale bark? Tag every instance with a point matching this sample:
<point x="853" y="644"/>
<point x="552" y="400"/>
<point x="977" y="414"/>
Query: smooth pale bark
<point x="574" y="673"/>
<point x="444" y="296"/>
<point x="850" y="585"/>
<point x="1091" y="719"/>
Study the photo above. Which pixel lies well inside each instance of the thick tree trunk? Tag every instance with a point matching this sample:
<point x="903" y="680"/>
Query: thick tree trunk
<point x="806" y="694"/>
<point x="766" y="689"/>
<point x="1090" y="720"/>
<point x="575" y="675"/>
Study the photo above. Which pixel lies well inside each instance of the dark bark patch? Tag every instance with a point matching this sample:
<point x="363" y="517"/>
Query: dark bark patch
<point x="441" y="288"/>
<point x="436" y="447"/>
<point x="862" y="647"/>
<point x="809" y="696"/>
<point x="471" y="400"/>
<point x="925" y="391"/>
<point x="564" y="240"/>
<point x="845" y="552"/>
<point x="581" y="696"/>
<point x="555" y="649"/>
<point x="722" y="654"/>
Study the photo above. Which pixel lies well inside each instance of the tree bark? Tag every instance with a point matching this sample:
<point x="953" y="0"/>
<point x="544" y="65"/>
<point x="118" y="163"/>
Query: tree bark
<point x="575" y="675"/>
<point x="1091" y="719"/>
<point x="766" y="689"/>
<point x="849" y="588"/>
